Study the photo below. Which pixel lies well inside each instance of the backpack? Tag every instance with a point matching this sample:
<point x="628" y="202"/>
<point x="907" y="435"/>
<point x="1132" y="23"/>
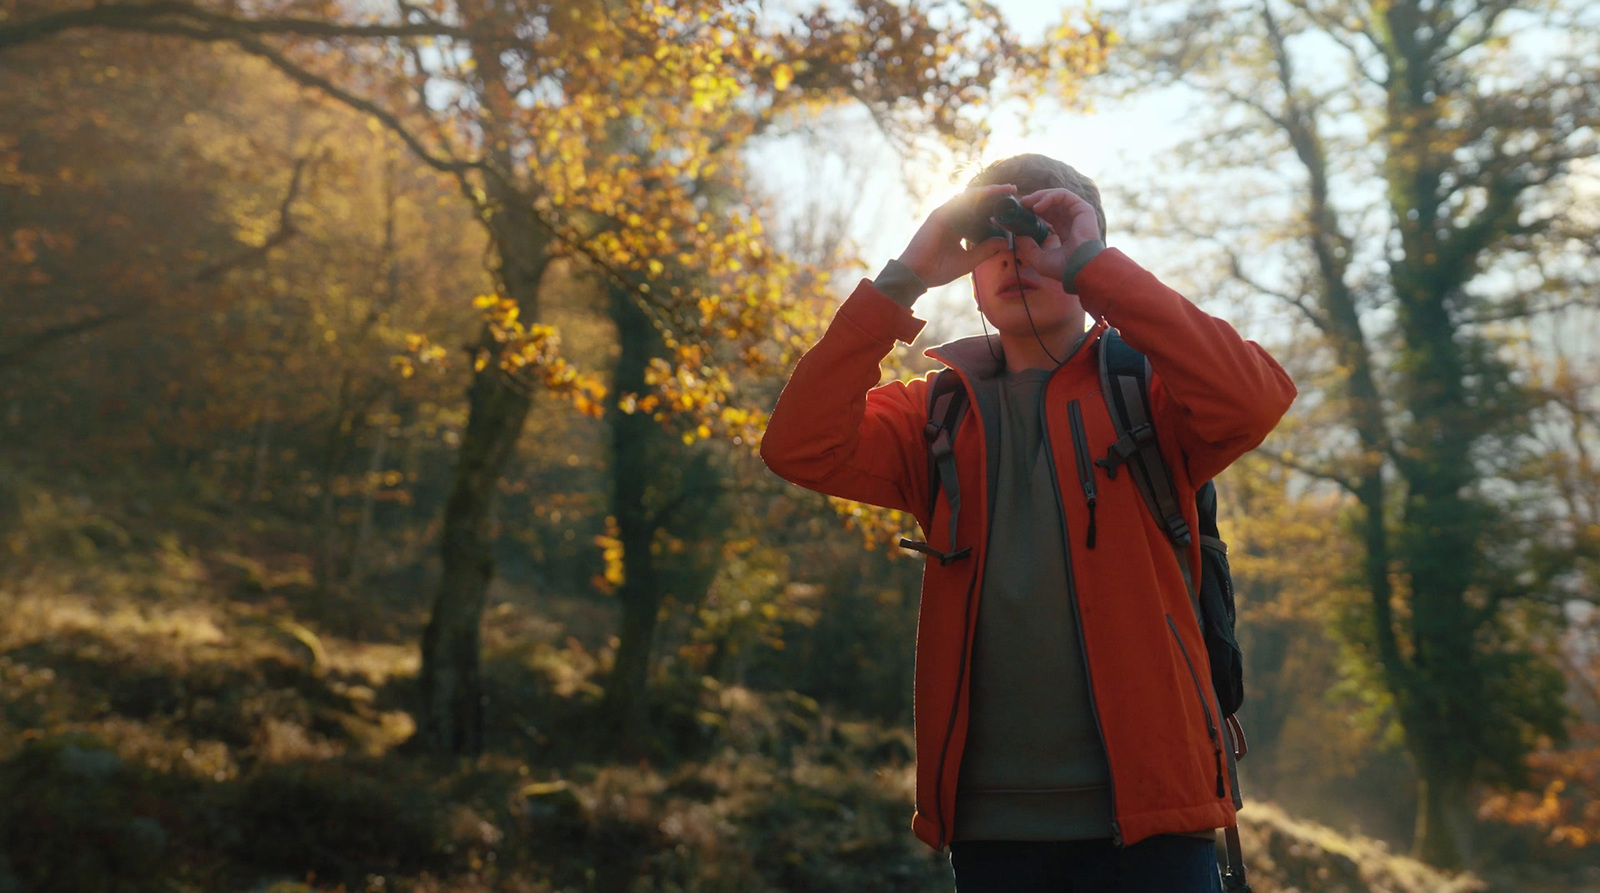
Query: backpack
<point x="1125" y="385"/>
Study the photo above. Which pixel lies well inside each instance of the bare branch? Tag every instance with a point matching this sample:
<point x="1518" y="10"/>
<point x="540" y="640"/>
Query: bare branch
<point x="1312" y="314"/>
<point x="141" y="16"/>
<point x="240" y="33"/>
<point x="1336" y="30"/>
<point x="40" y="340"/>
<point x="1256" y="105"/>
<point x="1520" y="308"/>
<point x="285" y="231"/>
<point x="1492" y="10"/>
<point x="388" y="119"/>
<point x="1323" y="474"/>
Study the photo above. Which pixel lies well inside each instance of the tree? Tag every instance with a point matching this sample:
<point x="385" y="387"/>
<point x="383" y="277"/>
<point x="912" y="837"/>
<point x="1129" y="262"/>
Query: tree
<point x="629" y="126"/>
<point x="1397" y="174"/>
<point x="1564" y="799"/>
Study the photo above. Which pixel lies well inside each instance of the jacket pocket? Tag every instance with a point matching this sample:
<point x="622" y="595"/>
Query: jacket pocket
<point x="1205" y="706"/>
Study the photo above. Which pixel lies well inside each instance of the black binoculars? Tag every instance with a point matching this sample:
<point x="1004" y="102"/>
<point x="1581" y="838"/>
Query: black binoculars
<point x="999" y="215"/>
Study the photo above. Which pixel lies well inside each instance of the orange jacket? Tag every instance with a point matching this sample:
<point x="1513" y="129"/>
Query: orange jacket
<point x="1215" y="397"/>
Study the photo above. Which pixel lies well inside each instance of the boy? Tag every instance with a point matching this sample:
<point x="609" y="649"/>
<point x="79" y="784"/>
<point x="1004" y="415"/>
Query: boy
<point x="1067" y="735"/>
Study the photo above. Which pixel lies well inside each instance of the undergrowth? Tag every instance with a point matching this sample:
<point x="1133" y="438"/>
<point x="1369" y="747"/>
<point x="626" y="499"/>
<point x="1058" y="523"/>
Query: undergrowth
<point x="186" y="712"/>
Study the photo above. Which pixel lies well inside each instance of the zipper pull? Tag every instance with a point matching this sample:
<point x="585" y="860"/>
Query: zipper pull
<point x="1221" y="791"/>
<point x="1091" y="522"/>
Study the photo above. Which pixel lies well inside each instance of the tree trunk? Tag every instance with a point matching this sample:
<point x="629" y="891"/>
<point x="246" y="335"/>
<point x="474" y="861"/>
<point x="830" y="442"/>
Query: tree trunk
<point x="452" y="692"/>
<point x="335" y="447"/>
<point x="631" y="437"/>
<point x="369" y="492"/>
<point x="451" y="682"/>
<point x="258" y="465"/>
<point x="1451" y="679"/>
<point x="1446" y="817"/>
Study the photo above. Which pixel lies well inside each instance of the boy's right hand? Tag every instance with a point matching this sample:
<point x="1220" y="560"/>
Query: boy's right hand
<point x="936" y="254"/>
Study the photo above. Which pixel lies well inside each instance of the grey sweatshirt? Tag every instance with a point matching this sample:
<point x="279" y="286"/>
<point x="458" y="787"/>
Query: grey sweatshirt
<point x="1034" y="767"/>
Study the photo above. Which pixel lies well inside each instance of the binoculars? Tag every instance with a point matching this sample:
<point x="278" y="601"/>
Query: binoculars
<point x="1000" y="215"/>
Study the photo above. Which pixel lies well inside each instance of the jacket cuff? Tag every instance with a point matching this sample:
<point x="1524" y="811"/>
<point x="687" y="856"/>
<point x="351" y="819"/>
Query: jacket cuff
<point x="900" y="283"/>
<point x="1080" y="258"/>
<point x="879" y="316"/>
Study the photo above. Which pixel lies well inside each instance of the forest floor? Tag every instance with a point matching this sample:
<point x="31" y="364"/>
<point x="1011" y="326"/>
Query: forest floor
<point x="190" y="713"/>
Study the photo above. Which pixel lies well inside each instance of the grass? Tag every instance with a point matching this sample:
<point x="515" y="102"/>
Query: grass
<point x="188" y="713"/>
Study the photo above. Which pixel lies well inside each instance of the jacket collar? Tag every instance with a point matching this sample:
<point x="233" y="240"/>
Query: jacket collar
<point x="981" y="357"/>
<point x="977" y="358"/>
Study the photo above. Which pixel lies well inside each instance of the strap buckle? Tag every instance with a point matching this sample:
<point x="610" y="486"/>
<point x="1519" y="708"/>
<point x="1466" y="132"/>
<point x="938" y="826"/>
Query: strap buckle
<point x="1124" y="448"/>
<point x="1177" y="529"/>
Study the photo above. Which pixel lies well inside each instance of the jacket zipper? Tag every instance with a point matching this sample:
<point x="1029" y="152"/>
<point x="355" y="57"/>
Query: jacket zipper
<point x="1072" y="596"/>
<point x="1080" y="446"/>
<point x="1211" y="727"/>
<point x="946" y="831"/>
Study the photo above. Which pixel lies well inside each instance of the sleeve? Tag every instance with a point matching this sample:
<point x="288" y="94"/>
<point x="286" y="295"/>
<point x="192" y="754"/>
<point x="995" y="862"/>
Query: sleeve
<point x="1220" y="394"/>
<point x="834" y="431"/>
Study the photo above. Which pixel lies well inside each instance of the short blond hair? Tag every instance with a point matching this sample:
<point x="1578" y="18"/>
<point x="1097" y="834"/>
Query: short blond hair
<point x="1031" y="173"/>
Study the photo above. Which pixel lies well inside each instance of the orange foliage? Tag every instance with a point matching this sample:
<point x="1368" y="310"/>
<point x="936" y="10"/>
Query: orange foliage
<point x="524" y="350"/>
<point x="1566" y="801"/>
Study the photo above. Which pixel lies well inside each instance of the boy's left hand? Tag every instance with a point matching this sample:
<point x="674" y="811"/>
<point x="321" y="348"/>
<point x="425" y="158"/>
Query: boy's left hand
<point x="1070" y="217"/>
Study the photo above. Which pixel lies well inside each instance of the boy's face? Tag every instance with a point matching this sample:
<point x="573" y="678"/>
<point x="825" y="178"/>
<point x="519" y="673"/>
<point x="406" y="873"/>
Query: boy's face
<point x="1000" y="298"/>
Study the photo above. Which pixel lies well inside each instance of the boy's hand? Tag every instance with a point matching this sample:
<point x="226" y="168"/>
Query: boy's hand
<point x="936" y="254"/>
<point x="1073" y="221"/>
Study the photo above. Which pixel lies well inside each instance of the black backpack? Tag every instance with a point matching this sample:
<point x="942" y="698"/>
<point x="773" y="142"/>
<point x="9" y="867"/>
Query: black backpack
<point x="1125" y="384"/>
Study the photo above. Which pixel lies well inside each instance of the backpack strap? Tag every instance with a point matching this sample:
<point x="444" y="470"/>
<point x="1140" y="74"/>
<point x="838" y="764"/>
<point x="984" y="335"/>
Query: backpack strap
<point x="1234" y="878"/>
<point x="1125" y="384"/>
<point x="947" y="406"/>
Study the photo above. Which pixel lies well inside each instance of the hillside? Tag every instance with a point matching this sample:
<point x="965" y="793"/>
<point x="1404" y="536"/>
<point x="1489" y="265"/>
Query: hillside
<point x="190" y="714"/>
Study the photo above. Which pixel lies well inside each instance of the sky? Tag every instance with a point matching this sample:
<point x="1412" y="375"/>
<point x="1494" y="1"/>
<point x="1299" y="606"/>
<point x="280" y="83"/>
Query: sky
<point x="1118" y="144"/>
<point x="1107" y="145"/>
<point x="894" y="196"/>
